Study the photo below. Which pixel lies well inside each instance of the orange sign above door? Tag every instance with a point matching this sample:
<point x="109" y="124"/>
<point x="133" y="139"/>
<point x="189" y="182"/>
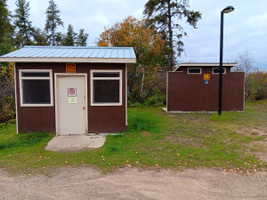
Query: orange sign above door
<point x="206" y="77"/>
<point x="70" y="68"/>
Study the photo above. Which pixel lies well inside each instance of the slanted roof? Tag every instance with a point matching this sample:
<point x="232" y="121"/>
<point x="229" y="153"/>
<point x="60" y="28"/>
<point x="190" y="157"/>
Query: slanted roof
<point x="71" y="54"/>
<point x="204" y="65"/>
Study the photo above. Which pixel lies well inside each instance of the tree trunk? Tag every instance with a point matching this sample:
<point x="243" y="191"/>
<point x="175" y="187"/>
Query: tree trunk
<point x="53" y="32"/>
<point x="170" y="36"/>
<point x="26" y="34"/>
<point x="53" y="38"/>
<point x="142" y="82"/>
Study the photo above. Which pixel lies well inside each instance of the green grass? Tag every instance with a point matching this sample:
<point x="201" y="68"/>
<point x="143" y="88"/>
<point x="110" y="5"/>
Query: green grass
<point x="154" y="139"/>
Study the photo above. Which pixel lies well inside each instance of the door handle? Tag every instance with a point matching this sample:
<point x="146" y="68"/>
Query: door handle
<point x="83" y="108"/>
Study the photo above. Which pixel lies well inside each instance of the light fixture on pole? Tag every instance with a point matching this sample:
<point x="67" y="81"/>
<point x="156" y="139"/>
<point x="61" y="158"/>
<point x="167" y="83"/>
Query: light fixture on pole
<point x="226" y="10"/>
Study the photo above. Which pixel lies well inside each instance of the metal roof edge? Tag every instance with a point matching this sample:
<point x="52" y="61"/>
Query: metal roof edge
<point x="73" y="60"/>
<point x="76" y="47"/>
<point x="84" y="52"/>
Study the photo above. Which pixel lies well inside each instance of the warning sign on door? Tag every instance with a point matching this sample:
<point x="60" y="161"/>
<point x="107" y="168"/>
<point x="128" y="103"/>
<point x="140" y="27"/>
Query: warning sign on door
<point x="72" y="99"/>
<point x="72" y="92"/>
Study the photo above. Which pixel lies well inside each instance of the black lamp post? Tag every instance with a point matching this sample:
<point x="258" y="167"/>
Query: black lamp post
<point x="226" y="10"/>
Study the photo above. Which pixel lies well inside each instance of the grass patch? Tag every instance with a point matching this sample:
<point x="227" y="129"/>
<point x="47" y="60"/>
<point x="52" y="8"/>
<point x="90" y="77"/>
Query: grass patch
<point x="154" y="139"/>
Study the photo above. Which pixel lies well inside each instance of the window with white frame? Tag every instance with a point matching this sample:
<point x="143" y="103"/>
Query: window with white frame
<point x="106" y="87"/>
<point x="194" y="70"/>
<point x="216" y="70"/>
<point x="36" y="87"/>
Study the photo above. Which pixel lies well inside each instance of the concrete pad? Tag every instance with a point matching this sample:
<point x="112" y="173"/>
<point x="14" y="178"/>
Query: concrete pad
<point x="74" y="143"/>
<point x="185" y="112"/>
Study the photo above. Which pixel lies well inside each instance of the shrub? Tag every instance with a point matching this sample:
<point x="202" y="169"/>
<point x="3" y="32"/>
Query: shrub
<point x="157" y="99"/>
<point x="256" y="86"/>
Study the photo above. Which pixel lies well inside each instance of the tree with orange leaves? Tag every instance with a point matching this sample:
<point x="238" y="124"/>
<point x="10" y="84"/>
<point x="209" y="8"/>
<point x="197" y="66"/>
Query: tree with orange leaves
<point x="7" y="103"/>
<point x="148" y="46"/>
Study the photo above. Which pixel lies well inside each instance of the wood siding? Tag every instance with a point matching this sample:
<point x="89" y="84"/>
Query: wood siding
<point x="188" y="92"/>
<point x="100" y="118"/>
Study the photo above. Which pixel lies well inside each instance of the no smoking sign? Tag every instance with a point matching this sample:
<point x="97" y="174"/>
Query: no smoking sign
<point x="72" y="92"/>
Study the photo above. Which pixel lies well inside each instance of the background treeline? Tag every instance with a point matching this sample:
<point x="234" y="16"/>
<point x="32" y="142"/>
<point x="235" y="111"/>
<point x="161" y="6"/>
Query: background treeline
<point x="157" y="40"/>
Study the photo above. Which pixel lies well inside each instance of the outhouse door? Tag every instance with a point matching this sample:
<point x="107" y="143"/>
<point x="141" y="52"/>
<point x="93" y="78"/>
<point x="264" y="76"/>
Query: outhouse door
<point x="71" y="104"/>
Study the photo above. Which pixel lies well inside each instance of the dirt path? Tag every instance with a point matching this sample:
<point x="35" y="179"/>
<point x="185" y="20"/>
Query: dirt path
<point x="87" y="183"/>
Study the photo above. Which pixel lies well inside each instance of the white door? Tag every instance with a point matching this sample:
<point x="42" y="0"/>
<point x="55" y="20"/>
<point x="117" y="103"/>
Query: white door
<point x="71" y="104"/>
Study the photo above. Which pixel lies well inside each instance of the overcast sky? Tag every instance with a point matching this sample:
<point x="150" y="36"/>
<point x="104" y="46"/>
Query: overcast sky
<point x="244" y="29"/>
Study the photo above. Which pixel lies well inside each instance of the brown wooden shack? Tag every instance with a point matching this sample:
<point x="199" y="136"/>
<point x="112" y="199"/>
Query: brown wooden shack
<point x="194" y="87"/>
<point x="71" y="90"/>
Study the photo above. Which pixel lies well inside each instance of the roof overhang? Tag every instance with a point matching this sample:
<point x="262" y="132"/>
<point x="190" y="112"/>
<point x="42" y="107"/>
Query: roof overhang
<point x="67" y="60"/>
<point x="205" y="65"/>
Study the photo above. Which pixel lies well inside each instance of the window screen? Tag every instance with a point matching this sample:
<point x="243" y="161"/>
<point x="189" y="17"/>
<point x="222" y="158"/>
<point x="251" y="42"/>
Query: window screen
<point x="35" y="74"/>
<point x="106" y="91"/>
<point x="36" y="91"/>
<point x="106" y="87"/>
<point x="194" y="71"/>
<point x="217" y="70"/>
<point x="107" y="74"/>
<point x="36" y="87"/>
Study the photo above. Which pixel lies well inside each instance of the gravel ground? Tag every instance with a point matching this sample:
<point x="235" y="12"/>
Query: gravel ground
<point x="88" y="183"/>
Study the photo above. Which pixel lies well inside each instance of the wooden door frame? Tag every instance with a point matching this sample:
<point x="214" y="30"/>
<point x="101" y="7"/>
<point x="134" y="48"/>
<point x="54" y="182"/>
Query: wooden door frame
<point x="56" y="76"/>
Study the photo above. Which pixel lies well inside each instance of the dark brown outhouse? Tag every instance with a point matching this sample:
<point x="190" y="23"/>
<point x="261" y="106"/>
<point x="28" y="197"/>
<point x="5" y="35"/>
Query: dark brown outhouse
<point x="71" y="90"/>
<point x="194" y="87"/>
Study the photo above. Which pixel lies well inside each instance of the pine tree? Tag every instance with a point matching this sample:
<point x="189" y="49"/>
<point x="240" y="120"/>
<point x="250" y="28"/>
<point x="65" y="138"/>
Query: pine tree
<point x="82" y="38"/>
<point x="23" y="24"/>
<point x="40" y="37"/>
<point x="6" y="29"/>
<point x="70" y="38"/>
<point x="164" y="14"/>
<point x="59" y="39"/>
<point x="52" y="22"/>
<point x="6" y="69"/>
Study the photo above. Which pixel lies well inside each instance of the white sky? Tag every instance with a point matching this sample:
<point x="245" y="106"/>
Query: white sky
<point x="244" y="29"/>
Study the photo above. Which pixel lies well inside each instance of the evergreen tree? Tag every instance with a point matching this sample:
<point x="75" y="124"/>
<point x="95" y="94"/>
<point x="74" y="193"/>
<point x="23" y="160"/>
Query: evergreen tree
<point x="59" y="39"/>
<point x="23" y="24"/>
<point x="52" y="22"/>
<point x="5" y="26"/>
<point x="40" y="37"/>
<point x="82" y="38"/>
<point x="6" y="69"/>
<point x="70" y="38"/>
<point x="164" y="14"/>
<point x="5" y="46"/>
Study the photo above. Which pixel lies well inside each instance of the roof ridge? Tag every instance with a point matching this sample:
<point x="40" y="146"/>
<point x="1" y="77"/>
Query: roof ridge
<point x="77" y="47"/>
